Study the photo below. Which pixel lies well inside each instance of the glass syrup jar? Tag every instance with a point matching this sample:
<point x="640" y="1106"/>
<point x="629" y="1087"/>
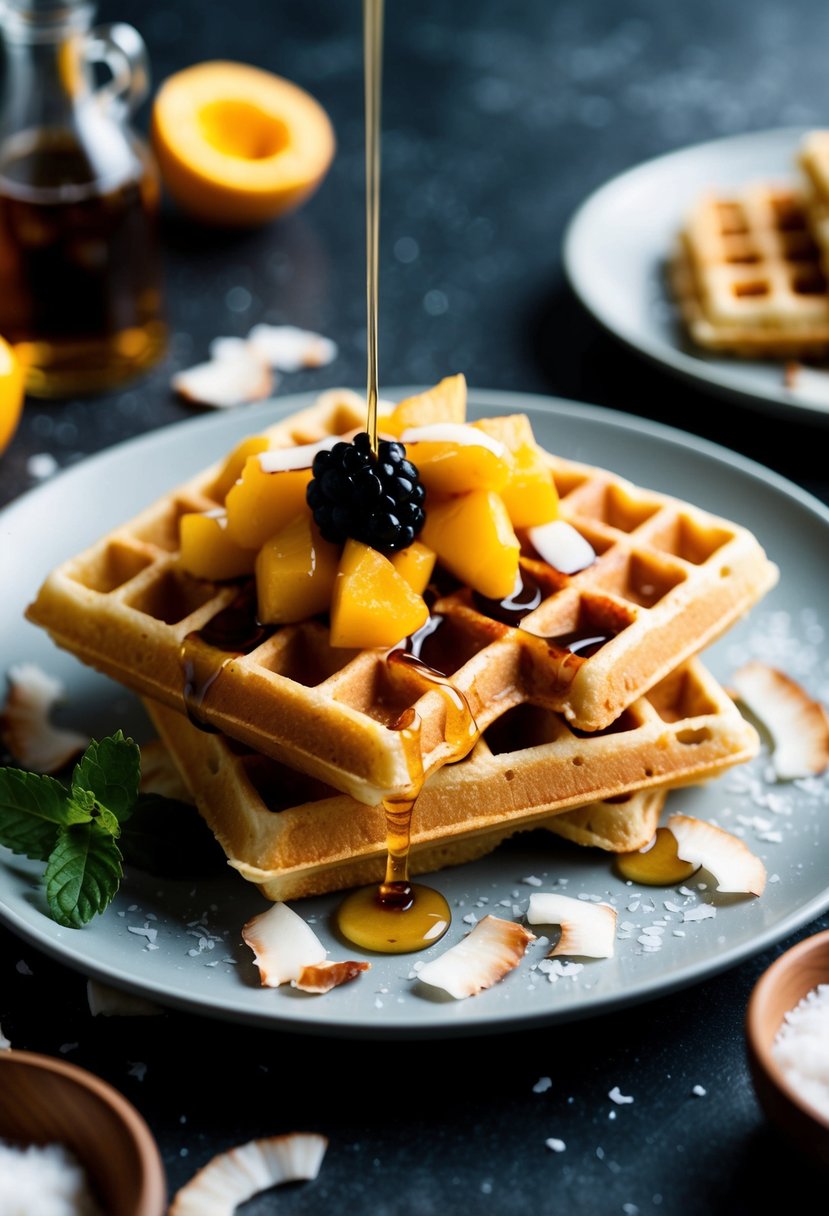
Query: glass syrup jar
<point x="80" y="265"/>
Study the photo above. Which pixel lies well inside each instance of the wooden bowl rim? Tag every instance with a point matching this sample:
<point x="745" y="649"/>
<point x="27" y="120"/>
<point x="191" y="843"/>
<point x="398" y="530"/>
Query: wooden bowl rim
<point x="762" y="1051"/>
<point x="151" y="1184"/>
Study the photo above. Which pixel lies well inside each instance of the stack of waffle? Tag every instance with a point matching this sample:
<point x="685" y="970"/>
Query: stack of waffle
<point x="300" y="750"/>
<point x="751" y="265"/>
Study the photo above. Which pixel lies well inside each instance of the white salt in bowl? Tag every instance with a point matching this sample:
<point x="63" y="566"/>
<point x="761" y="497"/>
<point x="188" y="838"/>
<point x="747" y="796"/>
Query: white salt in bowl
<point x="50" y="1102"/>
<point x="779" y="990"/>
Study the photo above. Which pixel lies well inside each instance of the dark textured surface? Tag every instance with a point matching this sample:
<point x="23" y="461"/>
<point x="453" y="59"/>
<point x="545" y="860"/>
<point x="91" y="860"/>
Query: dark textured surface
<point x="498" y="121"/>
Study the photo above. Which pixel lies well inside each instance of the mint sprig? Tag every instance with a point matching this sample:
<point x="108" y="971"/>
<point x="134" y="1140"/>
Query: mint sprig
<point x="74" y="828"/>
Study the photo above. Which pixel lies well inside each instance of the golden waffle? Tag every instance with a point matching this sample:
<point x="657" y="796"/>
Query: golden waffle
<point x="668" y="579"/>
<point x="813" y="162"/>
<point x="293" y="836"/>
<point x="748" y="277"/>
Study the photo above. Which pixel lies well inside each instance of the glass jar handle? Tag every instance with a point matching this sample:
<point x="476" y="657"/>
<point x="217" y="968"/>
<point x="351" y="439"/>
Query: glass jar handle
<point x="121" y="49"/>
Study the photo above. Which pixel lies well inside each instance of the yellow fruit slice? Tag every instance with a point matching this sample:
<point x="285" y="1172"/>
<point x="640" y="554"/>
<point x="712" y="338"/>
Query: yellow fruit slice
<point x="206" y="549"/>
<point x="372" y="604"/>
<point x="530" y="493"/>
<point x="260" y="504"/>
<point x="295" y="573"/>
<point x="455" y="468"/>
<point x="237" y="145"/>
<point x="12" y="393"/>
<point x="446" y="402"/>
<point x="474" y="540"/>
<point x="415" y="564"/>
<point x="232" y="468"/>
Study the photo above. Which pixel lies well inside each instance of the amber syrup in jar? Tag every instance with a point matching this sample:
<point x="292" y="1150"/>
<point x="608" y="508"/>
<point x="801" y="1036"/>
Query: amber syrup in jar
<point x="80" y="279"/>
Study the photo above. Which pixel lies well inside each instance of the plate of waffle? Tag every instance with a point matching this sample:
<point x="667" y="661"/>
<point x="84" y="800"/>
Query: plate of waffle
<point x="602" y="706"/>
<point x="713" y="262"/>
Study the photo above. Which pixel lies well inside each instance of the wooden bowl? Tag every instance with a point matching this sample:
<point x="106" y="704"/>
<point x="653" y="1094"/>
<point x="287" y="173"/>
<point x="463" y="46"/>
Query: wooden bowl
<point x="46" y="1101"/>
<point x="780" y="988"/>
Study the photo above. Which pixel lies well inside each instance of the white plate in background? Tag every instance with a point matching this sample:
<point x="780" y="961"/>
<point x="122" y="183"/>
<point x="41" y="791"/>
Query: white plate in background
<point x="615" y="251"/>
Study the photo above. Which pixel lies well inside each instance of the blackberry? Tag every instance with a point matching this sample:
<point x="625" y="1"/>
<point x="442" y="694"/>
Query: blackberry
<point x="376" y="500"/>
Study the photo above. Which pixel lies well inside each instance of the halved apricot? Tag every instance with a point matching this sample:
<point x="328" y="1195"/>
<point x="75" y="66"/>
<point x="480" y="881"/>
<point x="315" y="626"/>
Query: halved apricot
<point x="237" y="145"/>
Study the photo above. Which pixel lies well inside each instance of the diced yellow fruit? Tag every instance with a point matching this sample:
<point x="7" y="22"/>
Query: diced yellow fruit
<point x="446" y="402"/>
<point x="372" y="604"/>
<point x="473" y="538"/>
<point x="260" y="504"/>
<point x="513" y="430"/>
<point x="415" y="564"/>
<point x="232" y="467"/>
<point x="295" y="573"/>
<point x="454" y="468"/>
<point x="530" y="495"/>
<point x="206" y="549"/>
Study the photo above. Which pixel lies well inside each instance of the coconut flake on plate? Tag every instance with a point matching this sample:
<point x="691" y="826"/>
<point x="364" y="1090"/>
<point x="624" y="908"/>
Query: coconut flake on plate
<point x="460" y="433"/>
<point x="727" y="858"/>
<point x="561" y="546"/>
<point x="234" y="1176"/>
<point x="289" y="348"/>
<point x="798" y="725"/>
<point x="226" y="382"/>
<point x="588" y="929"/>
<point x="489" y="952"/>
<point x="25" y="728"/>
<point x="283" y="945"/>
<point x="322" y="977"/>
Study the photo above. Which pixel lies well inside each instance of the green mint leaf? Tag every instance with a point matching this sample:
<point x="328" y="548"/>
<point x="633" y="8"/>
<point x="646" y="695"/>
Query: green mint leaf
<point x="32" y="808"/>
<point x="82" y="875"/>
<point x="111" y="770"/>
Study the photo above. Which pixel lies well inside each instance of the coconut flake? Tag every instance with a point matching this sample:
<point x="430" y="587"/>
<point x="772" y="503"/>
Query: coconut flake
<point x="112" y="1002"/>
<point x="561" y="546"/>
<point x="282" y="944"/>
<point x="587" y="929"/>
<point x="5" y="1044"/>
<point x="226" y="382"/>
<point x="453" y="432"/>
<point x="482" y="958"/>
<point x="798" y="725"/>
<point x="322" y="977"/>
<point x="233" y="1177"/>
<point x="289" y="349"/>
<point x="301" y="456"/>
<point x="24" y="721"/>
<point x="726" y="857"/>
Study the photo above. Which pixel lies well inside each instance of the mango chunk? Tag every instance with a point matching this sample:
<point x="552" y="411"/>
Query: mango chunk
<point x="372" y="604"/>
<point x="260" y="504"/>
<point x="446" y="402"/>
<point x="415" y="564"/>
<point x="529" y="494"/>
<point x="231" y="470"/>
<point x="206" y="550"/>
<point x="455" y="468"/>
<point x="473" y="538"/>
<point x="295" y="573"/>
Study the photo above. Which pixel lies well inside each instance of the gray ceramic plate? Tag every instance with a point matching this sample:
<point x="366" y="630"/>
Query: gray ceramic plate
<point x="617" y="243"/>
<point x="198" y="961"/>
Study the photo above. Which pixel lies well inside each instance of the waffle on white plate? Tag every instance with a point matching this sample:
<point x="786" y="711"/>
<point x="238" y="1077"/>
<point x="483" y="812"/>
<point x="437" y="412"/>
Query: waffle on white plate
<point x="293" y="836"/>
<point x="748" y="277"/>
<point x="668" y="579"/>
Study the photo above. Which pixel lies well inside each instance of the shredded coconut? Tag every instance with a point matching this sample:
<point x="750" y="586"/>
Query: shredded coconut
<point x="47" y="1179"/>
<point x="801" y="1048"/>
